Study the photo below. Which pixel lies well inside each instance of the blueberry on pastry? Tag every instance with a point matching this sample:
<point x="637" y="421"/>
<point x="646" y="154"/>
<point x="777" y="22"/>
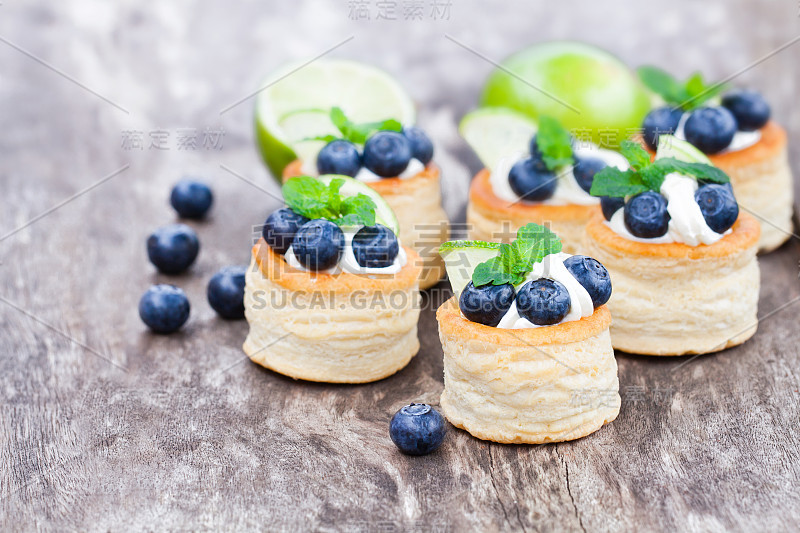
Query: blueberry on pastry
<point x="396" y="161"/>
<point x="680" y="251"/>
<point x="527" y="350"/>
<point x="339" y="302"/>
<point x="733" y="128"/>
<point x="534" y="172"/>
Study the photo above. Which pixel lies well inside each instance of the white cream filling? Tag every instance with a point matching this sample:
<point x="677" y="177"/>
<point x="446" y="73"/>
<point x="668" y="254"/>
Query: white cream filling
<point x="347" y="261"/>
<point x="686" y="224"/>
<point x="567" y="189"/>
<point x="552" y="267"/>
<point x="741" y="139"/>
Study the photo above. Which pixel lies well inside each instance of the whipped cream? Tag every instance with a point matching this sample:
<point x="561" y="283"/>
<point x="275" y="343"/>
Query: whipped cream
<point x="552" y="267"/>
<point x="415" y="166"/>
<point x="567" y="191"/>
<point x="686" y="225"/>
<point x="741" y="139"/>
<point x="347" y="261"/>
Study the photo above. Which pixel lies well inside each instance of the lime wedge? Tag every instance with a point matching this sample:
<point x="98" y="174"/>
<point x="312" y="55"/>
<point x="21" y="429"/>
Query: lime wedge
<point x="461" y="258"/>
<point x="352" y="187"/>
<point x="496" y="132"/>
<point x="296" y="99"/>
<point x="671" y="146"/>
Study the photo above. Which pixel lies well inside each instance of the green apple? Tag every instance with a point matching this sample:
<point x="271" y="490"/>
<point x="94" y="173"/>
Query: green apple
<point x="590" y="91"/>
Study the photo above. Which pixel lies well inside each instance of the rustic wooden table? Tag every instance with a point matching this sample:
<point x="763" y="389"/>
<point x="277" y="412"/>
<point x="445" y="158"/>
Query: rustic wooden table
<point x="107" y="427"/>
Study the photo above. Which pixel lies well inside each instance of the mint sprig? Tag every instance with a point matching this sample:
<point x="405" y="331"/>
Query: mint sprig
<point x="516" y="260"/>
<point x="554" y="142"/>
<point x="311" y="198"/>
<point x="356" y="133"/>
<point x="645" y="175"/>
<point x="688" y="95"/>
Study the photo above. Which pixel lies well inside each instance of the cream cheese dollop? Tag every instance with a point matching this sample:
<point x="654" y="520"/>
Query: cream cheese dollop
<point x="552" y="267"/>
<point x="347" y="261"/>
<point x="741" y="139"/>
<point x="686" y="225"/>
<point x="567" y="191"/>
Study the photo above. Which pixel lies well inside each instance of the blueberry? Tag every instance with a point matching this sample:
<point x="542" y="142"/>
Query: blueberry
<point x="191" y="198"/>
<point x="718" y="206"/>
<point x="592" y="275"/>
<point x="421" y="145"/>
<point x="748" y="107"/>
<point x="660" y="121"/>
<point x="530" y="181"/>
<point x="339" y="157"/>
<point x="417" y="429"/>
<point x="611" y="205"/>
<point x="318" y="244"/>
<point x="280" y="228"/>
<point x="387" y="153"/>
<point x="584" y="170"/>
<point x="164" y="308"/>
<point x="225" y="292"/>
<point x="486" y="304"/>
<point x="375" y="246"/>
<point x="173" y="248"/>
<point x="646" y="215"/>
<point x="543" y="302"/>
<point x="710" y="129"/>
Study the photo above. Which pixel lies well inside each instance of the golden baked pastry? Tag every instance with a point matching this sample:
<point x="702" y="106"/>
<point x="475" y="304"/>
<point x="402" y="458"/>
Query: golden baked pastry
<point x="417" y="203"/>
<point x="528" y="356"/>
<point x="335" y="328"/>
<point x="493" y="219"/>
<point x="676" y="299"/>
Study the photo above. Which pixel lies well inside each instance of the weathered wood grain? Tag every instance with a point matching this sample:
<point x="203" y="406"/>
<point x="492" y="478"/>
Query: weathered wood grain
<point x="188" y="434"/>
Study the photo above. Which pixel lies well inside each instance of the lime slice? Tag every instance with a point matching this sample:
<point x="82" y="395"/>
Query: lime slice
<point x="496" y="132"/>
<point x="461" y="258"/>
<point x="383" y="214"/>
<point x="671" y="146"/>
<point x="296" y="99"/>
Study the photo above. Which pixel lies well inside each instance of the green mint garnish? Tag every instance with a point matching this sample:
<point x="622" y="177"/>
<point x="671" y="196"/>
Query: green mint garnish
<point x="554" y="142"/>
<point x="311" y="198"/>
<point x="688" y="95"/>
<point x="516" y="260"/>
<point x="356" y="133"/>
<point x="645" y="175"/>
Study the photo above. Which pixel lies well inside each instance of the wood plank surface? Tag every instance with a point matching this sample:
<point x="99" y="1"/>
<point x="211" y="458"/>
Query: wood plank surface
<point x="105" y="427"/>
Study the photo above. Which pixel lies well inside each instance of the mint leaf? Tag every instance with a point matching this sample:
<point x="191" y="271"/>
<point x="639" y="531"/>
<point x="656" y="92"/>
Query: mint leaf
<point x="554" y="142"/>
<point x="698" y="93"/>
<point x="617" y="183"/>
<point x="653" y="176"/>
<point x="662" y="83"/>
<point x="309" y="197"/>
<point x="637" y="156"/>
<point x="354" y="132"/>
<point x="516" y="260"/>
<point x="699" y="171"/>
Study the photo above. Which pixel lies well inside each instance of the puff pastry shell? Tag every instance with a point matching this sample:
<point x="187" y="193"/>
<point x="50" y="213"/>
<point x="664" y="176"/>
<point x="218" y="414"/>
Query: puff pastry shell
<point x="536" y="385"/>
<point x="341" y="328"/>
<point x="675" y="299"/>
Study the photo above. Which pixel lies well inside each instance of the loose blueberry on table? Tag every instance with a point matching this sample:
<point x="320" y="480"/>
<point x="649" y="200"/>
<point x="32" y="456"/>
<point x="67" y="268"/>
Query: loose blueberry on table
<point x="280" y="228"/>
<point x="318" y="244"/>
<point x="417" y="429"/>
<point x="173" y="248"/>
<point x="486" y="304"/>
<point x="225" y="292"/>
<point x="164" y="308"/>
<point x="375" y="246"/>
<point x="191" y="198"/>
